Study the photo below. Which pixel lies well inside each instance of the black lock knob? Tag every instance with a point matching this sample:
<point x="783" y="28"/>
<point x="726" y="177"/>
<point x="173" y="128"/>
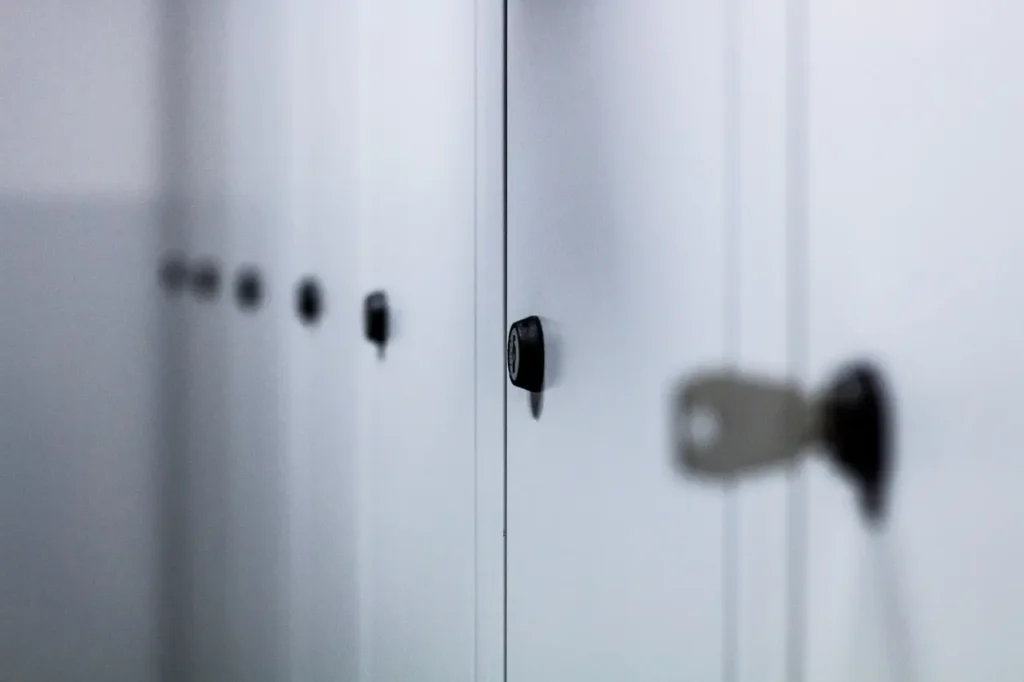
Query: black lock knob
<point x="309" y="301"/>
<point x="856" y="429"/>
<point x="206" y="279"/>
<point x="174" y="273"/>
<point x="526" y="354"/>
<point x="376" y="319"/>
<point x="249" y="288"/>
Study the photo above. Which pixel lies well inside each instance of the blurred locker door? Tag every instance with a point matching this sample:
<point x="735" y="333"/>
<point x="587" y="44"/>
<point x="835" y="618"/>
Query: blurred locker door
<point x="912" y="260"/>
<point x="623" y="238"/>
<point x="80" y="186"/>
<point x="256" y="309"/>
<point x="205" y="395"/>
<point x="416" y="421"/>
<point x="175" y="333"/>
<point x="762" y="211"/>
<point x="316" y="297"/>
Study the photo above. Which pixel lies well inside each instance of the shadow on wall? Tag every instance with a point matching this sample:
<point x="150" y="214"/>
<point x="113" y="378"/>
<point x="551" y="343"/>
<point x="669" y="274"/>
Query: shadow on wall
<point x="78" y="440"/>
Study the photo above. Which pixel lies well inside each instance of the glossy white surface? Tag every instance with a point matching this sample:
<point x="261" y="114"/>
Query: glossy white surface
<point x="764" y="587"/>
<point x="319" y="237"/>
<point x="417" y="420"/>
<point x="619" y="239"/>
<point x="489" y="437"/>
<point x="259" y="464"/>
<point x="199" y="200"/>
<point x="913" y="260"/>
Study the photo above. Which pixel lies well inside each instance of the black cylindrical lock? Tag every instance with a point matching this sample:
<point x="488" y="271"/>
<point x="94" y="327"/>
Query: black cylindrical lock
<point x="174" y="273"/>
<point x="249" y="288"/>
<point x="857" y="432"/>
<point x="206" y="279"/>
<point x="309" y="301"/>
<point x="376" y="319"/>
<point x="526" y="354"/>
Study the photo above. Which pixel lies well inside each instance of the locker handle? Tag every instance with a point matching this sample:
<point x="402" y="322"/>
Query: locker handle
<point x="729" y="423"/>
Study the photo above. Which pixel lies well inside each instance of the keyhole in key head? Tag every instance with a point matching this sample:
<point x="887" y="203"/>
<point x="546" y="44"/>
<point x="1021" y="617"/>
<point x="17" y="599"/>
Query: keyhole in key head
<point x="702" y="428"/>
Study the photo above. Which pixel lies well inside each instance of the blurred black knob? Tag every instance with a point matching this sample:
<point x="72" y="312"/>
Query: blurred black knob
<point x="376" y="319"/>
<point x="249" y="288"/>
<point x="309" y="302"/>
<point x="206" y="279"/>
<point x="174" y="273"/>
<point x="857" y="432"/>
<point x="526" y="354"/>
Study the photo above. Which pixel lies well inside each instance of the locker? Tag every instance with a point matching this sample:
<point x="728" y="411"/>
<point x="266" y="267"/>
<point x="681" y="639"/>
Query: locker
<point x="348" y="487"/>
<point x="256" y="311"/>
<point x="317" y="302"/>
<point x="199" y="204"/>
<point x="910" y="258"/>
<point x="176" y="131"/>
<point x="417" y="440"/>
<point x="624" y="238"/>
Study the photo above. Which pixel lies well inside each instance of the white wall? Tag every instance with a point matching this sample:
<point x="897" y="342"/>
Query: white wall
<point x="79" y="167"/>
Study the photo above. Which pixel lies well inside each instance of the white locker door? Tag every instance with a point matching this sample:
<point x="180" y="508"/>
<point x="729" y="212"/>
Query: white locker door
<point x="913" y="260"/>
<point x="762" y="210"/>
<point x="316" y="297"/>
<point x="255" y="101"/>
<point x="619" y="238"/>
<point x="205" y="393"/>
<point x="174" y="331"/>
<point x="417" y="395"/>
<point x="79" y="340"/>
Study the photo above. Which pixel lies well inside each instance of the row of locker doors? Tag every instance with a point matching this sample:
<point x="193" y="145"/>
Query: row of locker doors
<point x="772" y="188"/>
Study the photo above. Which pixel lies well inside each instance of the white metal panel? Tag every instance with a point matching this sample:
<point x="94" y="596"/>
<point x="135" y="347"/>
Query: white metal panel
<point x="489" y="277"/>
<point x="913" y="259"/>
<point x="319" y="239"/>
<point x="762" y="211"/>
<point x="417" y="403"/>
<point x="256" y="511"/>
<point x="617" y="237"/>
<point x="202" y="212"/>
<point x="174" y="330"/>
